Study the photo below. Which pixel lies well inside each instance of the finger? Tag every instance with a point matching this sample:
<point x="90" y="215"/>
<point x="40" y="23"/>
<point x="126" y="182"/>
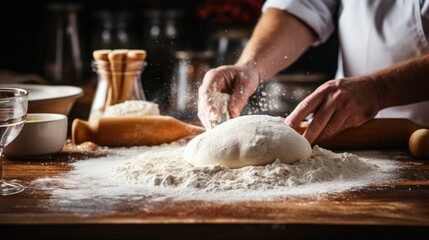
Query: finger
<point x="216" y="81"/>
<point x="235" y="105"/>
<point x="212" y="83"/>
<point x="203" y="106"/>
<point x="205" y="93"/>
<point x="203" y="115"/>
<point x="238" y="100"/>
<point x="333" y="127"/>
<point x="204" y="99"/>
<point x="301" y="127"/>
<point x="319" y="121"/>
<point x="303" y="109"/>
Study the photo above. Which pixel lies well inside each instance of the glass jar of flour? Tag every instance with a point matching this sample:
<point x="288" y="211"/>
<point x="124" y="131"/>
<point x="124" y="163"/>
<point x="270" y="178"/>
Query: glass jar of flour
<point x="116" y="86"/>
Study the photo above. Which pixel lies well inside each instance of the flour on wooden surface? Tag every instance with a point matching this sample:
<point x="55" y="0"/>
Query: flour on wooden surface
<point x="160" y="172"/>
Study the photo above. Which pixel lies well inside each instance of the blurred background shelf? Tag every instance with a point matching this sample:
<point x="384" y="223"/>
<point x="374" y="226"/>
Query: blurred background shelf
<point x="55" y="40"/>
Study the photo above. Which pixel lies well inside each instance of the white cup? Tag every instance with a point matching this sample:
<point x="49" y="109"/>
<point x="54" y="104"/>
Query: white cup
<point x="43" y="135"/>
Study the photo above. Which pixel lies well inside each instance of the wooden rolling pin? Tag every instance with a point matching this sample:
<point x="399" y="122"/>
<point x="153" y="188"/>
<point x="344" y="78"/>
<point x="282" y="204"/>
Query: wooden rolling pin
<point x="132" y="131"/>
<point x="374" y="134"/>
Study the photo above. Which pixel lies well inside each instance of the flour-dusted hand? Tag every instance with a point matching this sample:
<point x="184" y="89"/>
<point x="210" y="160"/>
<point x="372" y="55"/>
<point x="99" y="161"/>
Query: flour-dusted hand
<point x="239" y="81"/>
<point x="337" y="105"/>
<point x="277" y="41"/>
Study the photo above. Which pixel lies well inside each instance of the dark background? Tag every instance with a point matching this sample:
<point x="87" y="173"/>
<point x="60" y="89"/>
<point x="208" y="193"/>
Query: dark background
<point x="27" y="34"/>
<point x="22" y="24"/>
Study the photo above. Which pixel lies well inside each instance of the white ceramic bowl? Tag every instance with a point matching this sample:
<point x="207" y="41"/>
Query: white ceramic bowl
<point x="50" y="98"/>
<point x="43" y="134"/>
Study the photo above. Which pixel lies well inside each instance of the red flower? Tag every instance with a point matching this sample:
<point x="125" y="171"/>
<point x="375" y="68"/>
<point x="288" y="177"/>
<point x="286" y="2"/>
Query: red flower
<point x="231" y="12"/>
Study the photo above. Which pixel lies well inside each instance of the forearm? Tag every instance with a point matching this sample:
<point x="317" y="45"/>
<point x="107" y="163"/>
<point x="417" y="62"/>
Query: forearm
<point x="404" y="83"/>
<point x="278" y="40"/>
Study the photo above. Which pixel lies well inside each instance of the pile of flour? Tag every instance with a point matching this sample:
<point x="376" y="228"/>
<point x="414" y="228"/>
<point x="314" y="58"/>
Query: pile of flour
<point x="160" y="172"/>
<point x="132" y="108"/>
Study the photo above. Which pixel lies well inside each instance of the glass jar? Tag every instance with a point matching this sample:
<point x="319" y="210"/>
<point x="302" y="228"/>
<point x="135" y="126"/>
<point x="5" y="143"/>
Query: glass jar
<point x="162" y="35"/>
<point x="189" y="71"/>
<point x="113" y="30"/>
<point x="116" y="87"/>
<point x="228" y="44"/>
<point x="63" y="61"/>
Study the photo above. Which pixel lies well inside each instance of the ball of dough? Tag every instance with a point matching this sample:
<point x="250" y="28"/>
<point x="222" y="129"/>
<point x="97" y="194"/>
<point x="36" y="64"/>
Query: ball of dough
<point x="248" y="141"/>
<point x="419" y="143"/>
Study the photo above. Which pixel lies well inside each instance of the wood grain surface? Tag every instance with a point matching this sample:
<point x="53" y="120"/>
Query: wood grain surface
<point x="394" y="210"/>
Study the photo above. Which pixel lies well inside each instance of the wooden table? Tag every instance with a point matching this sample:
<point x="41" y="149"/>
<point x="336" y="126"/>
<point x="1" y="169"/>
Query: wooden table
<point x="397" y="210"/>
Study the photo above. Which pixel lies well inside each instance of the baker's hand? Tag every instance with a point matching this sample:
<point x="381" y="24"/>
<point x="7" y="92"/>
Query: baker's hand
<point x="239" y="81"/>
<point x="337" y="105"/>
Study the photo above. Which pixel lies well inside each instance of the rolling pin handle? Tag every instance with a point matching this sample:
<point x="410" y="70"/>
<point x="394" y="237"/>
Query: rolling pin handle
<point x="83" y="131"/>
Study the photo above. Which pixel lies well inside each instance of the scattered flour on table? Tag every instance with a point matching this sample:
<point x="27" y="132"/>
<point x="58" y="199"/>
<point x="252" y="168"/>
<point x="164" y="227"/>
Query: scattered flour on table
<point x="160" y="172"/>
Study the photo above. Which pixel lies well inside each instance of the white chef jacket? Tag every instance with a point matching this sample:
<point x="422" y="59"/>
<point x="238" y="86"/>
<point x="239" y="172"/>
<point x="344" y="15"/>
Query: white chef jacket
<point x="373" y="34"/>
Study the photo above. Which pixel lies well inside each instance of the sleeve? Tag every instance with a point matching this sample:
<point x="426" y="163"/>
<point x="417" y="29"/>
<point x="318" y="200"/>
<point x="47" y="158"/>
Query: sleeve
<point x="425" y="18"/>
<point x="317" y="14"/>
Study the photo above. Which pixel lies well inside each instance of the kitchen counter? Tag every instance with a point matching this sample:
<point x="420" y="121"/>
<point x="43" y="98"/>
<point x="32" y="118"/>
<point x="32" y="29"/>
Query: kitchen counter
<point x="398" y="209"/>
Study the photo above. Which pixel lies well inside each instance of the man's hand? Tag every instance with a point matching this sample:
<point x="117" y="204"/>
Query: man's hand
<point x="239" y="81"/>
<point x="278" y="40"/>
<point x="337" y="105"/>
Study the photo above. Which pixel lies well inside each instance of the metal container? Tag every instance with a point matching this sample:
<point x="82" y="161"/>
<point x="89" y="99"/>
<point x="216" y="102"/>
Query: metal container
<point x="190" y="67"/>
<point x="62" y="56"/>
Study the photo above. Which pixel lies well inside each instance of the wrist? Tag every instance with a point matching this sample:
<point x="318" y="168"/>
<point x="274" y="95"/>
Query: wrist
<point x="255" y="69"/>
<point x="381" y="90"/>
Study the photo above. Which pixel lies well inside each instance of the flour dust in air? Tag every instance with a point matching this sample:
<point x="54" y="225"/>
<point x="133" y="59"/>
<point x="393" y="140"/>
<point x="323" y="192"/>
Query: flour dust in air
<point x="160" y="172"/>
